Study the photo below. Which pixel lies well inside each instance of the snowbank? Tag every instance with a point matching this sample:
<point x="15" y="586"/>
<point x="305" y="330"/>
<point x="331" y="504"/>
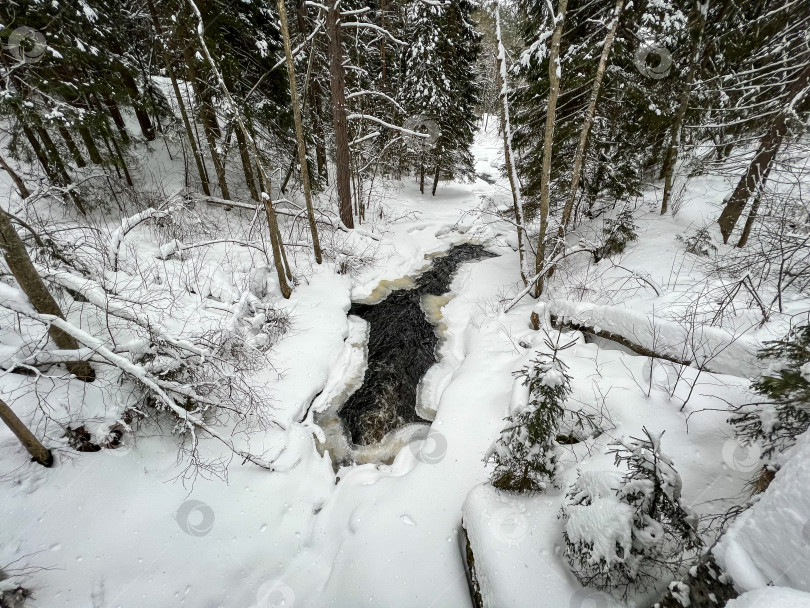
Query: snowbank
<point x="771" y="541"/>
<point x="772" y="597"/>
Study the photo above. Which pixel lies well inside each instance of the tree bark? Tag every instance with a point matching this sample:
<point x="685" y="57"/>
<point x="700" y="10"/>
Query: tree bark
<point x="39" y="453"/>
<point x="752" y="215"/>
<point x="279" y="257"/>
<point x="545" y="177"/>
<point x="753" y="180"/>
<point x="676" y="130"/>
<point x="506" y="130"/>
<point x="436" y="175"/>
<point x="299" y="132"/>
<point x="131" y="87"/>
<point x="587" y="123"/>
<point x="118" y="119"/>
<point x="31" y="283"/>
<point x="205" y="118"/>
<point x="21" y="187"/>
<point x="341" y="128"/>
<point x="72" y="147"/>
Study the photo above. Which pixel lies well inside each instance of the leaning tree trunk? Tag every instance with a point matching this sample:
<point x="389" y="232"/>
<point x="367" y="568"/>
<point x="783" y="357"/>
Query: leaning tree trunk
<point x="72" y="147"/>
<point x="299" y="132"/>
<point x="131" y="87"/>
<point x="579" y="155"/>
<point x="167" y="61"/>
<point x="752" y="215"/>
<point x="676" y="129"/>
<point x="506" y="130"/>
<point x="753" y="180"/>
<point x="31" y="283"/>
<point x="279" y="257"/>
<point x="205" y="117"/>
<point x="24" y="192"/>
<point x="341" y="127"/>
<point x="548" y="142"/>
<point x="39" y="453"/>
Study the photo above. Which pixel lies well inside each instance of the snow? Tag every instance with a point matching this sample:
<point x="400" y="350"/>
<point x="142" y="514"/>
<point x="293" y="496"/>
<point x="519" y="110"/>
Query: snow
<point x="772" y="597"/>
<point x="771" y="541"/>
<point x="118" y="528"/>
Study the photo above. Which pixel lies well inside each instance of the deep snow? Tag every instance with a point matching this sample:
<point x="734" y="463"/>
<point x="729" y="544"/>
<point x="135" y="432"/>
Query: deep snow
<point x="117" y="528"/>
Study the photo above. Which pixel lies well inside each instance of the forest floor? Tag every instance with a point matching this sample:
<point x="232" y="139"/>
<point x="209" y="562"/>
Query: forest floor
<point x="121" y="528"/>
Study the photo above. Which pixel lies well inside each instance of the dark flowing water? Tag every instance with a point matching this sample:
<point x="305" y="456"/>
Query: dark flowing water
<point x="401" y="348"/>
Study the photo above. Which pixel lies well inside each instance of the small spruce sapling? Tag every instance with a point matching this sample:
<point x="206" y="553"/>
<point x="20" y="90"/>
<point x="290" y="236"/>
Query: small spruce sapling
<point x="618" y="233"/>
<point x="636" y="534"/>
<point x="527" y="452"/>
<point x="785" y="414"/>
<point x="700" y="243"/>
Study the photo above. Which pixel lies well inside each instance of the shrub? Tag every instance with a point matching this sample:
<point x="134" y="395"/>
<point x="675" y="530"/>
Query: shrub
<point x="785" y="414"/>
<point x="699" y="244"/>
<point x="629" y="533"/>
<point x="618" y="232"/>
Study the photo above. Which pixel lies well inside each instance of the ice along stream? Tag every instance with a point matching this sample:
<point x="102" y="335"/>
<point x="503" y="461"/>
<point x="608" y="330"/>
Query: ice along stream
<point x="376" y="414"/>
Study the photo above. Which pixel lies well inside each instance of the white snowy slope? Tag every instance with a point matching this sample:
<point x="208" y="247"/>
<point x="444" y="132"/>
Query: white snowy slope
<point x="770" y="543"/>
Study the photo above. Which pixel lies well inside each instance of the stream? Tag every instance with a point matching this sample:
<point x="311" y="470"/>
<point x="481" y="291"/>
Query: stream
<point x="381" y="414"/>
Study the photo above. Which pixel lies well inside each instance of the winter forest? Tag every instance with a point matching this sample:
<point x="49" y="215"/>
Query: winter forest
<point x="405" y="303"/>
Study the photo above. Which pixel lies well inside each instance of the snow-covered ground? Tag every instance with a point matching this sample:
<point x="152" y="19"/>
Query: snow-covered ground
<point x="118" y="528"/>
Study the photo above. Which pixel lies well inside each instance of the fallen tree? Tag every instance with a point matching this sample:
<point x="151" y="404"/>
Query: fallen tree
<point x="685" y="341"/>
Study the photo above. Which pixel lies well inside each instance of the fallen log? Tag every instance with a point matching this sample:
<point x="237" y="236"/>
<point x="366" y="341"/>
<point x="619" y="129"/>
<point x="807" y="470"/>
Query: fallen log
<point x="607" y="335"/>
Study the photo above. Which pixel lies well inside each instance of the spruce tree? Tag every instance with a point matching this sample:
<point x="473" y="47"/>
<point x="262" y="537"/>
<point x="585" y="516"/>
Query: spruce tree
<point x="527" y="452"/>
<point x="784" y="414"/>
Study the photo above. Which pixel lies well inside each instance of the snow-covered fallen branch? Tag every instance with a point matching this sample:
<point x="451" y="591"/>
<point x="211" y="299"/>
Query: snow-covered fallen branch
<point x="713" y="349"/>
<point x="16" y="302"/>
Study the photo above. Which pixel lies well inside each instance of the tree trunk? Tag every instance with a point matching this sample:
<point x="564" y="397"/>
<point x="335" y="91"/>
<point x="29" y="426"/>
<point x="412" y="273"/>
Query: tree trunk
<point x="436" y="175"/>
<point x="299" y="132"/>
<point x="548" y="142"/>
<point x="246" y="165"/>
<point x="118" y="119"/>
<point x="198" y="160"/>
<point x="341" y="128"/>
<point x="579" y="156"/>
<point x="207" y="121"/>
<point x="279" y="257"/>
<point x="31" y="283"/>
<point x="90" y="144"/>
<point x="314" y="95"/>
<point x="422" y="177"/>
<point x="24" y="192"/>
<point x="53" y="166"/>
<point x="752" y="215"/>
<point x="39" y="453"/>
<point x="131" y="87"/>
<point x="506" y="130"/>
<point x="753" y="180"/>
<point x="72" y="147"/>
<point x="676" y="130"/>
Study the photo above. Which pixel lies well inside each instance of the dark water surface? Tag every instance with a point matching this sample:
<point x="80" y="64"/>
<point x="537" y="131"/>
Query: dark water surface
<point x="401" y="348"/>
